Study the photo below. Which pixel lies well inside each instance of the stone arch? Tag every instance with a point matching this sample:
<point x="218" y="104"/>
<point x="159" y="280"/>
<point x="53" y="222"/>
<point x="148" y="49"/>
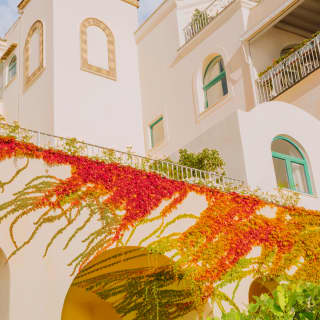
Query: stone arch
<point x="28" y="78"/>
<point x="109" y="72"/>
<point x="4" y="286"/>
<point x="96" y="292"/>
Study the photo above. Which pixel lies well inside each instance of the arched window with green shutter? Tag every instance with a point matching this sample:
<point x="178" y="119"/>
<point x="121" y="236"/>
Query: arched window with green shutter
<point x="12" y="68"/>
<point x="290" y="165"/>
<point x="214" y="81"/>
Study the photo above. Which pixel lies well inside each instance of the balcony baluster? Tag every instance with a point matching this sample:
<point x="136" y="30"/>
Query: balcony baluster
<point x="290" y="71"/>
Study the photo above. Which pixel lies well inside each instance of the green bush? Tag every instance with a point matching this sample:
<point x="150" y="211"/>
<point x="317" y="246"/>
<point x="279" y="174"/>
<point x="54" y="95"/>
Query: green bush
<point x="207" y="160"/>
<point x="291" y="301"/>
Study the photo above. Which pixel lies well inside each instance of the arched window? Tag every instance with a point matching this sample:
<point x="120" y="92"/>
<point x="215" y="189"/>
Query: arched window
<point x="290" y="165"/>
<point x="214" y="81"/>
<point x="98" y="48"/>
<point x="33" y="56"/>
<point x="12" y="68"/>
<point x="157" y="134"/>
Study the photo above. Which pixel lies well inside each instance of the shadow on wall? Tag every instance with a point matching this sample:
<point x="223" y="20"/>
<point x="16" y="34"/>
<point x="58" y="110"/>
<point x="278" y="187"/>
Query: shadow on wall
<point x="128" y="283"/>
<point x="4" y="286"/>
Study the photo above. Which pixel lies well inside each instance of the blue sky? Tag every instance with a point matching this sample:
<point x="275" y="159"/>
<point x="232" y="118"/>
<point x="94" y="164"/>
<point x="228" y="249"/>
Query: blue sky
<point x="8" y="12"/>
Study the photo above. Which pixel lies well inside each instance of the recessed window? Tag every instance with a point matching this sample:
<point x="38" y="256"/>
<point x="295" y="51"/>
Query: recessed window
<point x="33" y="54"/>
<point x="12" y="68"/>
<point x="98" y="47"/>
<point x="290" y="165"/>
<point x="157" y="132"/>
<point x="214" y="82"/>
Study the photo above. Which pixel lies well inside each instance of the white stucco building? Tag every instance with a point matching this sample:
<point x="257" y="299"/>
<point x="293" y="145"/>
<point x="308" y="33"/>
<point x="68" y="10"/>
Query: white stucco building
<point x="173" y="82"/>
<point x="183" y="79"/>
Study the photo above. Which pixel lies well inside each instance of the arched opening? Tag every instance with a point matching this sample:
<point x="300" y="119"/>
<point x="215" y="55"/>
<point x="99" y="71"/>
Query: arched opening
<point x="98" y="48"/>
<point x="214" y="81"/>
<point x="4" y="286"/>
<point x="33" y="54"/>
<point x="259" y="287"/>
<point x="12" y="69"/>
<point x="127" y="283"/>
<point x="290" y="165"/>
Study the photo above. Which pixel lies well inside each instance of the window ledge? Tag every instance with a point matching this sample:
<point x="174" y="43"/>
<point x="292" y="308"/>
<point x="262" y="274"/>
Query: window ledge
<point x="208" y="111"/>
<point x="9" y="83"/>
<point x="314" y="196"/>
<point x="158" y="147"/>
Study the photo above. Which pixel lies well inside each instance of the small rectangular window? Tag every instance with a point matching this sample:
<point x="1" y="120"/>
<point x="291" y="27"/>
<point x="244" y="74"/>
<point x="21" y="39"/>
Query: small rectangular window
<point x="157" y="132"/>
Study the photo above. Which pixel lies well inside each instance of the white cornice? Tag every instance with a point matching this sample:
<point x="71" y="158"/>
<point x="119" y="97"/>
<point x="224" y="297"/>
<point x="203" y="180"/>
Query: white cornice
<point x="157" y="16"/>
<point x="271" y="19"/>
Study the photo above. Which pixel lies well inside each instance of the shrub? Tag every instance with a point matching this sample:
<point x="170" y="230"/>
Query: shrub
<point x="290" y="301"/>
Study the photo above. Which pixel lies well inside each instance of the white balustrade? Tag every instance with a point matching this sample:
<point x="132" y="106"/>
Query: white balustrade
<point x="290" y="71"/>
<point x="165" y="168"/>
<point x="205" y="16"/>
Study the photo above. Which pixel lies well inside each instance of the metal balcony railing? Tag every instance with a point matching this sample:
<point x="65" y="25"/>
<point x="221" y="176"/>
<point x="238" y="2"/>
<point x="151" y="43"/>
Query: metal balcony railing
<point x="165" y="168"/>
<point x="290" y="71"/>
<point x="205" y="16"/>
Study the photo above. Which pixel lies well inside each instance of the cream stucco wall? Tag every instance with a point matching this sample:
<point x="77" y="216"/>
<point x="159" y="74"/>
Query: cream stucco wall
<point x="88" y="106"/>
<point x="67" y="101"/>
<point x="305" y="94"/>
<point x="33" y="108"/>
<point x="171" y="76"/>
<point x="266" y="121"/>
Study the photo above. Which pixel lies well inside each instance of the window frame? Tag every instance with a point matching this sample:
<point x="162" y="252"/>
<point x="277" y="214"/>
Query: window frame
<point x="29" y="79"/>
<point x="222" y="76"/>
<point x="151" y="126"/>
<point x="289" y="160"/>
<point x="111" y="72"/>
<point x="10" y="67"/>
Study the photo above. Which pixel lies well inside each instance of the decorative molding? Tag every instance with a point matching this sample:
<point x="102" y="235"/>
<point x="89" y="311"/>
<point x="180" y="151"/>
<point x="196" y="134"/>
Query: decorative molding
<point x="164" y="9"/>
<point x="110" y="73"/>
<point x="270" y="20"/>
<point x="8" y="52"/>
<point x="22" y="5"/>
<point x="29" y="79"/>
<point x="134" y="3"/>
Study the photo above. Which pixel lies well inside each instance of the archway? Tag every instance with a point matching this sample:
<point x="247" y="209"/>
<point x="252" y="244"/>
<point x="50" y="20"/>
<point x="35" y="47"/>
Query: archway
<point x="4" y="286"/>
<point x="127" y="283"/>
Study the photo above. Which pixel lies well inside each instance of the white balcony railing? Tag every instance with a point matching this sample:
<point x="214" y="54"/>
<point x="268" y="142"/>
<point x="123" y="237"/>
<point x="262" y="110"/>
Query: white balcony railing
<point x="204" y="18"/>
<point x="165" y="168"/>
<point x="290" y="71"/>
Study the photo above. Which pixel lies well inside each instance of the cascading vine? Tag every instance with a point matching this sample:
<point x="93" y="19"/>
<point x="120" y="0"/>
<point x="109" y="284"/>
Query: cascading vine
<point x="210" y="254"/>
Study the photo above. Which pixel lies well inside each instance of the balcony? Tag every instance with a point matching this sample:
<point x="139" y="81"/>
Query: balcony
<point x="165" y="168"/>
<point x="289" y="71"/>
<point x="201" y="18"/>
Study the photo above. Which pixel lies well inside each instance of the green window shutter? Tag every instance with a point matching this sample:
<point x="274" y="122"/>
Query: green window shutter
<point x="221" y="77"/>
<point x="291" y="161"/>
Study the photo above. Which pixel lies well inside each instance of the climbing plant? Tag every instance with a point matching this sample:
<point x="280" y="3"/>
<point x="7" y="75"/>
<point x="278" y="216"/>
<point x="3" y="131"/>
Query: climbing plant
<point x="212" y="253"/>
